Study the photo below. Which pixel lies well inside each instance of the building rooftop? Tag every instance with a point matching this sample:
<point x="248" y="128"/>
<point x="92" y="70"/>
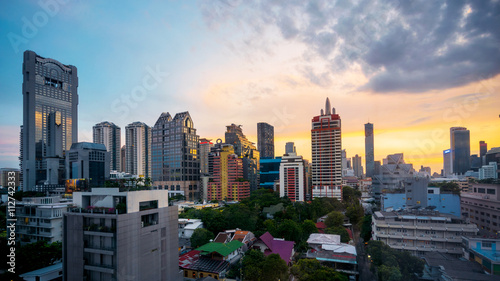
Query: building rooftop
<point x="43" y="271"/>
<point x="324" y="239"/>
<point x="456" y="269"/>
<point x="277" y="246"/>
<point x="223" y="249"/>
<point x="209" y="265"/>
<point x="188" y="259"/>
<point x="88" y="145"/>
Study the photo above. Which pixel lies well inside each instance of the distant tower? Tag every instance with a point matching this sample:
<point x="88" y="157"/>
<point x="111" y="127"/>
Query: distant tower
<point x="357" y="167"/>
<point x="265" y="140"/>
<point x="326" y="145"/>
<point x="49" y="89"/>
<point x="447" y="163"/>
<point x="109" y="134"/>
<point x="205" y="146"/>
<point x="483" y="148"/>
<point x="369" y="150"/>
<point x="138" y="149"/>
<point x="290" y="148"/>
<point x="460" y="149"/>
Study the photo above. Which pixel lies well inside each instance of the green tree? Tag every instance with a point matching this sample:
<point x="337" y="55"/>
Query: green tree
<point x="290" y="230"/>
<point x="350" y="194"/>
<point x="213" y="220"/>
<point x="389" y="273"/>
<point x="354" y="212"/>
<point x="37" y="255"/>
<point x="274" y="268"/>
<point x="366" y="228"/>
<point x="252" y="265"/>
<point x="200" y="237"/>
<point x="241" y="216"/>
<point x="308" y="227"/>
<point x="312" y="270"/>
<point x="334" y="219"/>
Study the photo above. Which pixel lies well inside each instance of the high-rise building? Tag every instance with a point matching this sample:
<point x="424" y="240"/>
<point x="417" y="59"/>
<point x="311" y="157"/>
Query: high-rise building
<point x="176" y="162"/>
<point x="122" y="158"/>
<point x="483" y="149"/>
<point x="109" y="134"/>
<point x="226" y="175"/>
<point x="447" y="163"/>
<point x="369" y="150"/>
<point x="49" y="92"/>
<point x="269" y="172"/>
<point x="265" y="140"/>
<point x="290" y="148"/>
<point x="460" y="149"/>
<point x="113" y="235"/>
<point x="88" y="161"/>
<point x="138" y="149"/>
<point x="357" y="167"/>
<point x="205" y="146"/>
<point x="292" y="178"/>
<point x="245" y="149"/>
<point x="326" y="144"/>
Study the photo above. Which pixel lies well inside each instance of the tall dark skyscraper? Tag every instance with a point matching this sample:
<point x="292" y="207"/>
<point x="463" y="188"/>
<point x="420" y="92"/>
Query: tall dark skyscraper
<point x="460" y="149"/>
<point x="326" y="143"/>
<point x="109" y="134"/>
<point x="176" y="162"/>
<point x="369" y="150"/>
<point x="50" y="100"/>
<point x="265" y="140"/>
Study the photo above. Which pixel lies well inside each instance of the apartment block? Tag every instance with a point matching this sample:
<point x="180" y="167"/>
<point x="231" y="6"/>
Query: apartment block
<point x="481" y="205"/>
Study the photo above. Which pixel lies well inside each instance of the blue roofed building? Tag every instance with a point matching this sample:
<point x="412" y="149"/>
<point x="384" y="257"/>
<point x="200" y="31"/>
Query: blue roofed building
<point x="484" y="251"/>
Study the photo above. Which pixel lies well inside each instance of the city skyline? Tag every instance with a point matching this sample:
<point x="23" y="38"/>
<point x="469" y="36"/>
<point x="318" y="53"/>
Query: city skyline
<point x="275" y="70"/>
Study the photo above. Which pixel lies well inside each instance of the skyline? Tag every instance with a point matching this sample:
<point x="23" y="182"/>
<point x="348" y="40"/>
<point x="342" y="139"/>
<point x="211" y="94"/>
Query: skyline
<point x="399" y="68"/>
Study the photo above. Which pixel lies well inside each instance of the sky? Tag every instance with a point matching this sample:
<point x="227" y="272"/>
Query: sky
<point x="412" y="68"/>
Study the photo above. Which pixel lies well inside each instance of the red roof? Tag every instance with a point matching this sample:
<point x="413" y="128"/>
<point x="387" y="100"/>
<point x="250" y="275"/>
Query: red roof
<point x="188" y="259"/>
<point x="321" y="226"/>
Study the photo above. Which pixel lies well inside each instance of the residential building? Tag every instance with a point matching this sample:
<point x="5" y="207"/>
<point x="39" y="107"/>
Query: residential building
<point x="109" y="134"/>
<point x="460" y="149"/>
<point x="265" y="140"/>
<point x="245" y="237"/>
<point x="267" y="244"/>
<point x="481" y="205"/>
<point x="327" y="249"/>
<point x="484" y="251"/>
<point x="214" y="260"/>
<point x="246" y="150"/>
<point x="292" y="178"/>
<point x="489" y="171"/>
<point x="138" y="149"/>
<point x="493" y="155"/>
<point x="176" y="158"/>
<point x="205" y="147"/>
<point x="356" y="165"/>
<point x="113" y="235"/>
<point x="40" y="219"/>
<point x="188" y="226"/>
<point x="227" y="175"/>
<point x="290" y="147"/>
<point x="369" y="150"/>
<point x="392" y="174"/>
<point x="88" y="161"/>
<point x="269" y="173"/>
<point x="50" y="115"/>
<point x="8" y="175"/>
<point x="421" y="231"/>
<point x="326" y="154"/>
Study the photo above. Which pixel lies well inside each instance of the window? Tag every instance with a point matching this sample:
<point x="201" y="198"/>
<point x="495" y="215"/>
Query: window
<point x="490" y="191"/>
<point x="486" y="244"/>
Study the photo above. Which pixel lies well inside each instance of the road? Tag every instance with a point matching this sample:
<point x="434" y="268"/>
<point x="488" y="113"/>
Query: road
<point x="363" y="262"/>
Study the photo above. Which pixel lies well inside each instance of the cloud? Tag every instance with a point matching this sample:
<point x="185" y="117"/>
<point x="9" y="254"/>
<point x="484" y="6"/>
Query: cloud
<point x="402" y="46"/>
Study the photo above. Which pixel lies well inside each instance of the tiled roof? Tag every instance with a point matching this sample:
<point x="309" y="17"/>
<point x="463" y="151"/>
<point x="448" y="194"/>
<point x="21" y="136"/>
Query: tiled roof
<point x="222" y="248"/>
<point x="189" y="258"/>
<point x="221" y="237"/>
<point x="280" y="247"/>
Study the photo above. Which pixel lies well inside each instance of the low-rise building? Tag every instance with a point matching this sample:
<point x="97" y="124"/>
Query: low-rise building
<point x="421" y="231"/>
<point x="188" y="226"/>
<point x="267" y="244"/>
<point x="484" y="251"/>
<point x="40" y="219"/>
<point x="327" y="249"/>
<point x="481" y="205"/>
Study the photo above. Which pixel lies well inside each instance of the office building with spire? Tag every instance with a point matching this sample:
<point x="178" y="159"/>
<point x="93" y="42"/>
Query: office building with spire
<point x="176" y="162"/>
<point x="369" y="150"/>
<point x="50" y="118"/>
<point x="326" y="143"/>
<point x="109" y="134"/>
<point x="265" y="140"/>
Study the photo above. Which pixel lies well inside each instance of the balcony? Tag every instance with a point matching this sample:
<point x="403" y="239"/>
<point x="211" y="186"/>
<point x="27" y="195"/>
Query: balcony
<point x="100" y="268"/>
<point x="100" y="250"/>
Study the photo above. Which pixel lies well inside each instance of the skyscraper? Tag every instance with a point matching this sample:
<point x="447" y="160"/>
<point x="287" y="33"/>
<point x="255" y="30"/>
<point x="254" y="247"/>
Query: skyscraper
<point x="326" y="145"/>
<point x="357" y="167"/>
<point x="176" y="162"/>
<point x="293" y="178"/>
<point x="265" y="140"/>
<point x="138" y="149"/>
<point x="369" y="150"/>
<point x="290" y="147"/>
<point x="49" y="89"/>
<point x="205" y="146"/>
<point x="245" y="149"/>
<point x="483" y="148"/>
<point x="460" y="149"/>
<point x="109" y="134"/>
<point x="447" y="163"/>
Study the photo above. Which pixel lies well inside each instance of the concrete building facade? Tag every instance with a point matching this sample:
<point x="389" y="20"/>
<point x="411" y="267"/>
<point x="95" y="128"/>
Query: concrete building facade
<point x="292" y="178"/>
<point x="369" y="150"/>
<point x="265" y="140"/>
<point x="109" y="134"/>
<point x="138" y="149"/>
<point x="481" y="205"/>
<point x="50" y="115"/>
<point x="88" y="161"/>
<point x="326" y="145"/>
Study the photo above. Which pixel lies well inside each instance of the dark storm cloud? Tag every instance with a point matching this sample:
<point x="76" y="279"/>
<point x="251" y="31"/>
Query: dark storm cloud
<point x="402" y="46"/>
